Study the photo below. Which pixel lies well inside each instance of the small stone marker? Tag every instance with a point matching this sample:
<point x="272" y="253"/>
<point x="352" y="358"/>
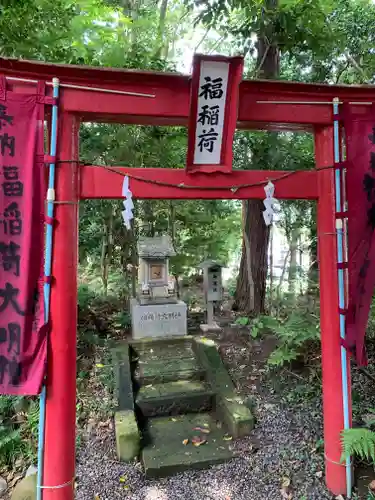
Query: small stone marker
<point x="26" y="488"/>
<point x="127" y="435"/>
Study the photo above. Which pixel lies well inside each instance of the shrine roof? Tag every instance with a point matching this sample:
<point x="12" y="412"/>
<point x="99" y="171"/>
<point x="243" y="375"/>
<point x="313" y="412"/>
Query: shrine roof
<point x="209" y="263"/>
<point x="155" y="247"/>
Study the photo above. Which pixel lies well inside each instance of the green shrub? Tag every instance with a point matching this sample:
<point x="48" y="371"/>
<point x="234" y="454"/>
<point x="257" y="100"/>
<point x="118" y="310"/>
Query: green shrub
<point x="19" y="419"/>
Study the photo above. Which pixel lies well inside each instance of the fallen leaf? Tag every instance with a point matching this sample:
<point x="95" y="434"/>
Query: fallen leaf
<point x="285" y="483"/>
<point x="227" y="438"/>
<point x="185" y="442"/>
<point x="174" y="419"/>
<point x="198" y="441"/>
<point x="99" y="365"/>
<point x="201" y="429"/>
<point x="123" y="479"/>
<point x="96" y="497"/>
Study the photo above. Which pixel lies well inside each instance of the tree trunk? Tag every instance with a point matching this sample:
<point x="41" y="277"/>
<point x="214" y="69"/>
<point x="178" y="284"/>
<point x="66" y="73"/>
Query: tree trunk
<point x="107" y="247"/>
<point x="162" y="49"/>
<point x="292" y="275"/>
<point x="251" y="284"/>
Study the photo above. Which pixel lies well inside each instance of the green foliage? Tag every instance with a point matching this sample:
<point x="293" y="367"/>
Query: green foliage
<point x="359" y="442"/>
<point x="242" y="321"/>
<point x="122" y="320"/>
<point x="294" y="334"/>
<point x="85" y="296"/>
<point x="18" y="429"/>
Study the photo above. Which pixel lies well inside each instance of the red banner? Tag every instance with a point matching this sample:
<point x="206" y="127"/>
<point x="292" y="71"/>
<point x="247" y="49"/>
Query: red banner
<point x="213" y="113"/>
<point x="22" y="336"/>
<point x="360" y="188"/>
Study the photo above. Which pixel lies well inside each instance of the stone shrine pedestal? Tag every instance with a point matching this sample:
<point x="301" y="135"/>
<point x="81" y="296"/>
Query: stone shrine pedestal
<point x="158" y="320"/>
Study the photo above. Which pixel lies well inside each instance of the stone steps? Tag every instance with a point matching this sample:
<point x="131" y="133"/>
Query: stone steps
<point x="157" y="371"/>
<point x="176" y="385"/>
<point x="173" y="398"/>
<point x="165" y="452"/>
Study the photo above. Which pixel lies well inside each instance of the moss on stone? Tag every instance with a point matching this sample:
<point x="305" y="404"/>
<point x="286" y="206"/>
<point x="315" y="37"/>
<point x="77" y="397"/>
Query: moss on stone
<point x="26" y="488"/>
<point x="127" y="435"/>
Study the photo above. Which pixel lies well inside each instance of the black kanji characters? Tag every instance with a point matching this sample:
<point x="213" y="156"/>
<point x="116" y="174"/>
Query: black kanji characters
<point x="12" y="222"/>
<point x="207" y="140"/>
<point x="14" y="370"/>
<point x="12" y="335"/>
<point x="10" y="258"/>
<point x="9" y="295"/>
<point x="212" y="89"/>
<point x="4" y="118"/>
<point x="12" y="185"/>
<point x="209" y="115"/>
<point x="13" y="188"/>
<point x="7" y="144"/>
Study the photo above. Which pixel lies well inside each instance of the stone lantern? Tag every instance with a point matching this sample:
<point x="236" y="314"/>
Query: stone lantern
<point x="213" y="291"/>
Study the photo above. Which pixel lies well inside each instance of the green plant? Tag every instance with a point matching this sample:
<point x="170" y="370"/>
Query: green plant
<point x="19" y="419"/>
<point x="122" y="320"/>
<point x="293" y="333"/>
<point x="360" y="442"/>
<point x="85" y="296"/>
<point x="242" y="321"/>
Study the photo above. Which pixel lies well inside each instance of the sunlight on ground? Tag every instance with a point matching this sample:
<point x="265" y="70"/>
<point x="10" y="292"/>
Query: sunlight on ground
<point x="220" y="490"/>
<point x="154" y="493"/>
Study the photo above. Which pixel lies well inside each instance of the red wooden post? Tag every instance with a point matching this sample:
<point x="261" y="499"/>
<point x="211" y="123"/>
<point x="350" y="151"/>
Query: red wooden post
<point x="329" y="314"/>
<point x="59" y="459"/>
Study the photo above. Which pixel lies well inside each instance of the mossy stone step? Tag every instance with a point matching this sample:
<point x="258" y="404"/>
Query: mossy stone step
<point x="229" y="406"/>
<point x="168" y="370"/>
<point x="174" y="398"/>
<point x="123" y="377"/>
<point x="163" y="352"/>
<point x="166" y="453"/>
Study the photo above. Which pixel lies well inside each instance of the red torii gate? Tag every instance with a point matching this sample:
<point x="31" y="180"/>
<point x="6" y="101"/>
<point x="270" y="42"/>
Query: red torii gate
<point x="263" y="105"/>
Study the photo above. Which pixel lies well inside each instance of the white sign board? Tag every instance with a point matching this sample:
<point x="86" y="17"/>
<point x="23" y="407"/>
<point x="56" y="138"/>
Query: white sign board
<point x="213" y="84"/>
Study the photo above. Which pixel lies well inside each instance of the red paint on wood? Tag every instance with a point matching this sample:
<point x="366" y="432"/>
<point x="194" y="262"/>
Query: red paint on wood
<point x="171" y="103"/>
<point x="59" y="459"/>
<point x="329" y="315"/>
<point x="98" y="182"/>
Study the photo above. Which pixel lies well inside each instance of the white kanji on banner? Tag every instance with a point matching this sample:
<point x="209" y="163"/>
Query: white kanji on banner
<point x="127" y="213"/>
<point x="271" y="204"/>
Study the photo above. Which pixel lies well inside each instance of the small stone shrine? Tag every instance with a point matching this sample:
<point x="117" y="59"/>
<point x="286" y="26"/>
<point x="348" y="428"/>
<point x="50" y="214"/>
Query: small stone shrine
<point x="156" y="312"/>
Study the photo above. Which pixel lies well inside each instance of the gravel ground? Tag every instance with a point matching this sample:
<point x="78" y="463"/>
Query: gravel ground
<point x="282" y="458"/>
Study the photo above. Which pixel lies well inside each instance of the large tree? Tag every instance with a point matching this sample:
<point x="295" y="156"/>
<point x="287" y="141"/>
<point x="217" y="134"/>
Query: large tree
<point x="308" y="40"/>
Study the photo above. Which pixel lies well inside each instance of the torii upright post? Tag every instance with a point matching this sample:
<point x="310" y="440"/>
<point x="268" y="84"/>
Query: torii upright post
<point x="59" y="459"/>
<point x="329" y="314"/>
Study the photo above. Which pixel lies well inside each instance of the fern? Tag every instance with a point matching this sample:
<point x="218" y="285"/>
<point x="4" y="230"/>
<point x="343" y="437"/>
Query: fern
<point x="293" y="334"/>
<point x="360" y="442"/>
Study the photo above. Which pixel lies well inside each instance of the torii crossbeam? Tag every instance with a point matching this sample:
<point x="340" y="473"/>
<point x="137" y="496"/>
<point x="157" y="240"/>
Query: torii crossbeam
<point x="262" y="105"/>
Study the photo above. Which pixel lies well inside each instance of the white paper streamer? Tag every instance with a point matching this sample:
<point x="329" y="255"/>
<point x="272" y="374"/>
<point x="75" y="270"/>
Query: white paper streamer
<point x="271" y="204"/>
<point x="127" y="213"/>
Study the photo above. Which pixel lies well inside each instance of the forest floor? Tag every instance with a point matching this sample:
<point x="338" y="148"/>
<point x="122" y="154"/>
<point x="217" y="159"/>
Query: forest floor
<point x="282" y="459"/>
